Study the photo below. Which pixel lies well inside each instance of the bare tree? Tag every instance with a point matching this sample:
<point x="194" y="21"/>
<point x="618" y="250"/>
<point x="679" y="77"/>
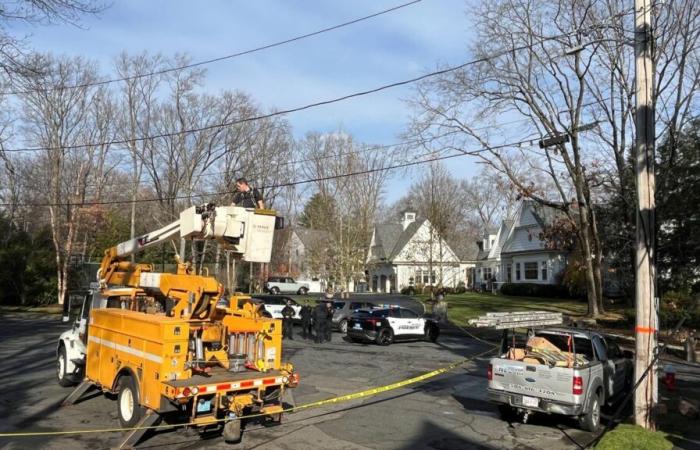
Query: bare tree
<point x="352" y="200"/>
<point x="540" y="84"/>
<point x="137" y="113"/>
<point x="59" y="119"/>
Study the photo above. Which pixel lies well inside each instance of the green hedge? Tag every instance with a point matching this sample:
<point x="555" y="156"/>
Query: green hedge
<point x="535" y="290"/>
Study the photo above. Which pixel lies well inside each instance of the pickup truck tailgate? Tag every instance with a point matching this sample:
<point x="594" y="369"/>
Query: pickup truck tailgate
<point x="533" y="380"/>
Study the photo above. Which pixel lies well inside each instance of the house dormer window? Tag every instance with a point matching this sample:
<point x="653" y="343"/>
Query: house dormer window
<point x="410" y="216"/>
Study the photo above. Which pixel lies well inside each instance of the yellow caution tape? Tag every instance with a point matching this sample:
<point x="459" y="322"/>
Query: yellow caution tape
<point x="316" y="404"/>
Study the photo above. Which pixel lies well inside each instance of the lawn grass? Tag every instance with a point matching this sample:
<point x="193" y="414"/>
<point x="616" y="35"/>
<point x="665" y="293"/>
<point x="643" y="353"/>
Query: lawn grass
<point x="633" y="437"/>
<point x="470" y="305"/>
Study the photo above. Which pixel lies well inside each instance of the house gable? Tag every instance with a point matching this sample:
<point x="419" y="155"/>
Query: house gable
<point x="415" y="246"/>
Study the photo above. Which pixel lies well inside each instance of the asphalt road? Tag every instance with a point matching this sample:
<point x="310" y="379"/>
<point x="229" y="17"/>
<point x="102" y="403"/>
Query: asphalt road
<point x="447" y="412"/>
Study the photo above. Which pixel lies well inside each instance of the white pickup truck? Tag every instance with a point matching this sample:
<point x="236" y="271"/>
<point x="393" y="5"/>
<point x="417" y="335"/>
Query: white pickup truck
<point x="595" y="372"/>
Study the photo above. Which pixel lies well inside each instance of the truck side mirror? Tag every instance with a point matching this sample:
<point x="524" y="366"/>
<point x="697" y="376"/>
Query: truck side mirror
<point x="279" y="223"/>
<point x="627" y="354"/>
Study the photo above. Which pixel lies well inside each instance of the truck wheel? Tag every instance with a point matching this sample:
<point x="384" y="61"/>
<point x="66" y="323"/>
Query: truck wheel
<point x="128" y="406"/>
<point x="590" y="421"/>
<point x="64" y="378"/>
<point x="303" y="291"/>
<point x="274" y="290"/>
<point x="343" y="326"/>
<point x="232" y="431"/>
<point x="385" y="337"/>
<point x="432" y="333"/>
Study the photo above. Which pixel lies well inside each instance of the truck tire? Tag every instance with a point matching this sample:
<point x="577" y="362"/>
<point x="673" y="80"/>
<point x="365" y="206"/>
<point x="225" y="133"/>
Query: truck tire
<point x="343" y="326"/>
<point x="385" y="336"/>
<point x="432" y="333"/>
<point x="128" y="407"/>
<point x="303" y="291"/>
<point x="64" y="378"/>
<point x="274" y="290"/>
<point x="232" y="431"/>
<point x="590" y="421"/>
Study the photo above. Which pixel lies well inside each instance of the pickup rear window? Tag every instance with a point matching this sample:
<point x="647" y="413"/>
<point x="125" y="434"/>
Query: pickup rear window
<point x="582" y="345"/>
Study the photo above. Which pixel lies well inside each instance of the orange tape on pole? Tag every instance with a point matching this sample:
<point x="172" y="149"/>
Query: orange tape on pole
<point x="644" y="330"/>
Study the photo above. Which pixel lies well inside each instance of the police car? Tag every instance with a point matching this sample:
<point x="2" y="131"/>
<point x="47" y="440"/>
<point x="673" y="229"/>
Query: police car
<point x="387" y="325"/>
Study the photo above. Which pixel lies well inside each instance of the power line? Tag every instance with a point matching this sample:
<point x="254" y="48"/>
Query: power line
<point x="220" y="58"/>
<point x="318" y="103"/>
<point x="291" y="183"/>
<point x="367" y="148"/>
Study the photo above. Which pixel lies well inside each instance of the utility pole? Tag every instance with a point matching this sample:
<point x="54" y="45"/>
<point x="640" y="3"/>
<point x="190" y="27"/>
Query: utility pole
<point x="646" y="395"/>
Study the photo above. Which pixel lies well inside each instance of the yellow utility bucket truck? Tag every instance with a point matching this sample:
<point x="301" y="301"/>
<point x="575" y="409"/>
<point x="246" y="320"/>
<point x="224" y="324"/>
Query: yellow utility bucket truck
<point x="173" y="343"/>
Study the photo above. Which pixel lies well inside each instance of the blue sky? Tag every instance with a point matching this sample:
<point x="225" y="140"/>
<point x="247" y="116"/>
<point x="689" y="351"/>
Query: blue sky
<point x="396" y="46"/>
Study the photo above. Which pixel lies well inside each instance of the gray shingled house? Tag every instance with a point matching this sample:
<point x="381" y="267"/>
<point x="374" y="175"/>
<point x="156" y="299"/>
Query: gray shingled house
<point x="404" y="253"/>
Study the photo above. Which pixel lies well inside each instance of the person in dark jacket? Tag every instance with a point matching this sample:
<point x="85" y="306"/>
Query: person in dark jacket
<point x="247" y="196"/>
<point x="329" y="321"/>
<point x="305" y="314"/>
<point x="287" y="318"/>
<point x="320" y="315"/>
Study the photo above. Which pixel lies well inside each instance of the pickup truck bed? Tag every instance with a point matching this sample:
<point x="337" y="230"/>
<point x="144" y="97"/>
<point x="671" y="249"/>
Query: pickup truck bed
<point x="520" y="384"/>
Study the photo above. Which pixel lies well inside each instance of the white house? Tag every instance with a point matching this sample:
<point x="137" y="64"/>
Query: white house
<point x="515" y="252"/>
<point x="400" y="255"/>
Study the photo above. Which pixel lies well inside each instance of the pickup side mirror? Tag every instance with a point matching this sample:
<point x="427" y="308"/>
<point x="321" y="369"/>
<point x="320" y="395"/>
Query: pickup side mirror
<point x="627" y="354"/>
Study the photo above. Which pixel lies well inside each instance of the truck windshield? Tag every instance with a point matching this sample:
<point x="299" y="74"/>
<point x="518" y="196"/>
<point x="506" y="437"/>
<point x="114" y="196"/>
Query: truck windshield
<point x="583" y="345"/>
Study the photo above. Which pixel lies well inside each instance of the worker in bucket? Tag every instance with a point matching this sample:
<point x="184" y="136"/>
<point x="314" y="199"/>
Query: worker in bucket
<point x="247" y="196"/>
<point x="287" y="321"/>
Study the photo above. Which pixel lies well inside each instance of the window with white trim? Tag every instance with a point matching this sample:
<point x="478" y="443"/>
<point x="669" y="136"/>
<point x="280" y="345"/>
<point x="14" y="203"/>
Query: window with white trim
<point x="530" y="269"/>
<point x="517" y="271"/>
<point x="544" y="270"/>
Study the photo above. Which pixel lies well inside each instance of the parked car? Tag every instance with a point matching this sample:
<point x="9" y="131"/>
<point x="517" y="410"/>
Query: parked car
<point x="277" y="285"/>
<point x="594" y="372"/>
<point x="343" y="309"/>
<point x="275" y="303"/>
<point x="388" y="325"/>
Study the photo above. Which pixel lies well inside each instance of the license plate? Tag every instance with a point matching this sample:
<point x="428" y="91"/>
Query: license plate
<point x="357" y="326"/>
<point x="531" y="401"/>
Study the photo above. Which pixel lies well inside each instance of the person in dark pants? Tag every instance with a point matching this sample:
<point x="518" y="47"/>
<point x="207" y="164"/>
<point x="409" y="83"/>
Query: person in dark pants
<point x="305" y="313"/>
<point x="329" y="321"/>
<point x="320" y="315"/>
<point x="287" y="318"/>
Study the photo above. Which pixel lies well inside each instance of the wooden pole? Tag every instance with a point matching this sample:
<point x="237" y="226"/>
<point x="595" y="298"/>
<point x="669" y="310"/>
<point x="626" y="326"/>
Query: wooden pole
<point x="646" y="395"/>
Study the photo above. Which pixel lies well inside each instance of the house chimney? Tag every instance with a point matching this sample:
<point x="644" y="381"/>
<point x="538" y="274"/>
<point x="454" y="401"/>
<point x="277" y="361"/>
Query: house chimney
<point x="408" y="218"/>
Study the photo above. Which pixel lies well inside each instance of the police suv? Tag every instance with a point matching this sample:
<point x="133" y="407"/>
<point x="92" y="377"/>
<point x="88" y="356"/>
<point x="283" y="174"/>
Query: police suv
<point x="387" y="325"/>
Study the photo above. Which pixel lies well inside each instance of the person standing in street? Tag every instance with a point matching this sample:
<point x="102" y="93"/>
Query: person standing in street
<point x="287" y="321"/>
<point x="329" y="321"/>
<point x="320" y="315"/>
<point x="306" y="322"/>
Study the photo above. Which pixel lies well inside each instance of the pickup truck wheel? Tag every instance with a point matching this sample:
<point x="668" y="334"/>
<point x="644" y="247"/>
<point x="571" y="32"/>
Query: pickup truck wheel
<point x="590" y="421"/>
<point x="385" y="336"/>
<point x="343" y="326"/>
<point x="128" y="407"/>
<point x="274" y="290"/>
<point x="232" y="431"/>
<point x="302" y="291"/>
<point x="64" y="378"/>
